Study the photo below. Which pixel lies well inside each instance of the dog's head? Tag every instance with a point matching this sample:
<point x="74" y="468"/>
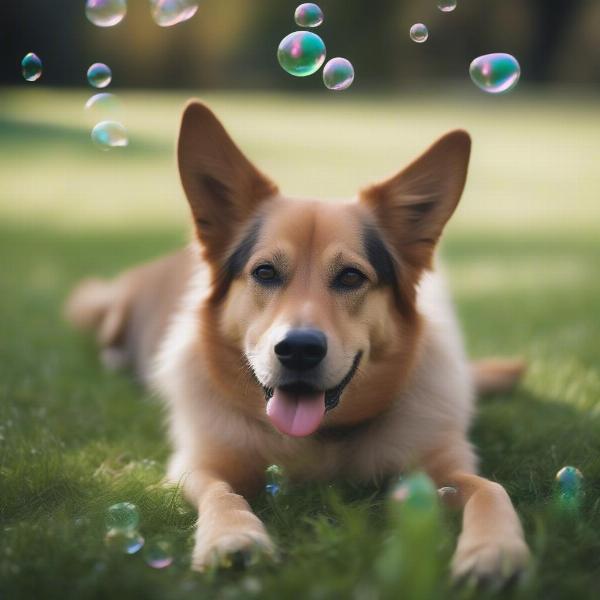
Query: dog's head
<point x="317" y="299"/>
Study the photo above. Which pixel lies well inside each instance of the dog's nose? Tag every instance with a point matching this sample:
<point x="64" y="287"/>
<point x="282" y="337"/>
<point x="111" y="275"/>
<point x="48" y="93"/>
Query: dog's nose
<point x="301" y="349"/>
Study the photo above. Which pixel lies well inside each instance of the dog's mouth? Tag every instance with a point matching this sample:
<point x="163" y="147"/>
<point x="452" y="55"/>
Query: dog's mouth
<point x="297" y="409"/>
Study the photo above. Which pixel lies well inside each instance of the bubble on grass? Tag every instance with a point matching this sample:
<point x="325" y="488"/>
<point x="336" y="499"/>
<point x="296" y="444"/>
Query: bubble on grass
<point x="31" y="66"/>
<point x="301" y="53"/>
<point x="158" y="554"/>
<point x="105" y="13"/>
<point x="309" y="14"/>
<point x="495" y="73"/>
<point x="125" y="541"/>
<point x="275" y="480"/>
<point x="569" y="481"/>
<point x="338" y="74"/>
<point x="123" y="516"/>
<point x="415" y="491"/>
<point x="419" y="33"/>
<point x="99" y="75"/>
<point x="110" y="134"/>
<point x="446" y="5"/>
<point x="167" y="13"/>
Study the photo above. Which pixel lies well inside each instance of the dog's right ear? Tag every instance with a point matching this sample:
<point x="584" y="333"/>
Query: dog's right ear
<point x="223" y="187"/>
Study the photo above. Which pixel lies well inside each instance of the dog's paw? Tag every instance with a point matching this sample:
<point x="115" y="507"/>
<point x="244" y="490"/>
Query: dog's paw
<point x="230" y="547"/>
<point x="493" y="562"/>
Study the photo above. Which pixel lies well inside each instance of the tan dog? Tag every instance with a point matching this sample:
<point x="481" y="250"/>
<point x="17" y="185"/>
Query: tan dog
<point x="315" y="336"/>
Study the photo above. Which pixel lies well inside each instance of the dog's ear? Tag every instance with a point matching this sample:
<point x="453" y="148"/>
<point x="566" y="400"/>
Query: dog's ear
<point x="413" y="207"/>
<point x="223" y="187"/>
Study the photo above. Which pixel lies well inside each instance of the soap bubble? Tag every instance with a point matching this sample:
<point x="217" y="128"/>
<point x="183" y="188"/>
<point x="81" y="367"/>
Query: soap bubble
<point x="447" y="492"/>
<point x="123" y="516"/>
<point x="106" y="13"/>
<point x="419" y="33"/>
<point x="301" y="53"/>
<point x="110" y="134"/>
<point x="32" y="67"/>
<point x="569" y="480"/>
<point x="99" y="75"/>
<point x="102" y="105"/>
<point x="415" y="491"/>
<point x="158" y="554"/>
<point x="124" y="540"/>
<point x="495" y="73"/>
<point x="275" y="480"/>
<point x="171" y="12"/>
<point x="446" y="5"/>
<point x="338" y="74"/>
<point x="309" y="15"/>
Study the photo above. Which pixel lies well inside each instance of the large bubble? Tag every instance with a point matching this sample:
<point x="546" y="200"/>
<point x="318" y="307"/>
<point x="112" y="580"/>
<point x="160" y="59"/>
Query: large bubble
<point x="338" y="74"/>
<point x="106" y="13"/>
<point x="419" y="33"/>
<point x="171" y="12"/>
<point x="107" y="135"/>
<point x="495" y="73"/>
<point x="99" y="75"/>
<point x="301" y="53"/>
<point x="309" y="15"/>
<point x="31" y="66"/>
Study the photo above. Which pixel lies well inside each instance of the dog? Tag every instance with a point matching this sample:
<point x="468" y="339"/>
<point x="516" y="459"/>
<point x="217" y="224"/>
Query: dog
<point x="316" y="336"/>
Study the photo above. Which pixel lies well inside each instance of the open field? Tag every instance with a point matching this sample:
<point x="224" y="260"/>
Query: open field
<point x="523" y="256"/>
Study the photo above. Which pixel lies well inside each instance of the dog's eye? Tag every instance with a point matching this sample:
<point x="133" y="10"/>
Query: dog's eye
<point x="349" y="279"/>
<point x="266" y="274"/>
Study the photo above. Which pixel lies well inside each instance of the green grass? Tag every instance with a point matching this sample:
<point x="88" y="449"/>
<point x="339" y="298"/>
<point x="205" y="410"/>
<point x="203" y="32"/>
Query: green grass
<point x="522" y="256"/>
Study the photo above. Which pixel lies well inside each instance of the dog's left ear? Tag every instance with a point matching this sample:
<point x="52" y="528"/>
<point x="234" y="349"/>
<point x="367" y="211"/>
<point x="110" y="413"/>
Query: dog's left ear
<point x="223" y="187"/>
<point x="413" y="207"/>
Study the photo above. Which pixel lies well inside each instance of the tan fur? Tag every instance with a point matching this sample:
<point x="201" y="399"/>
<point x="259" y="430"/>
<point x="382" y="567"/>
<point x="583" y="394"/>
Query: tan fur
<point x="410" y="403"/>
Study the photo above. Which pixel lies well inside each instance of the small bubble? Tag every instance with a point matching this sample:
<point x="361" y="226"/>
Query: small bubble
<point x="32" y="67"/>
<point x="415" y="491"/>
<point x="106" y="13"/>
<point x="338" y="74"/>
<point x="495" y="73"/>
<point x="123" y="516"/>
<point x="301" y="53"/>
<point x="447" y="492"/>
<point x="309" y="14"/>
<point x="109" y="134"/>
<point x="419" y="33"/>
<point x="102" y="107"/>
<point x="128" y="541"/>
<point x="158" y="554"/>
<point x="446" y="5"/>
<point x="167" y="13"/>
<point x="272" y="489"/>
<point x="99" y="75"/>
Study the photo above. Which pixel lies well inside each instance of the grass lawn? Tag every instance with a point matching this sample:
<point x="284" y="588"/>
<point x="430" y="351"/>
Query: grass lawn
<point x="523" y="255"/>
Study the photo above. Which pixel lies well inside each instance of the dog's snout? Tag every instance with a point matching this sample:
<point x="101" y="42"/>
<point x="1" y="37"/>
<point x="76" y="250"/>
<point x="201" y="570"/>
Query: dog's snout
<point x="301" y="349"/>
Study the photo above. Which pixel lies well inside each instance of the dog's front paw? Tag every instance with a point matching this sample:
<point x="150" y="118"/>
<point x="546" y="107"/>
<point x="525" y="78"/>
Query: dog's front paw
<point x="494" y="562"/>
<point x="225" y="545"/>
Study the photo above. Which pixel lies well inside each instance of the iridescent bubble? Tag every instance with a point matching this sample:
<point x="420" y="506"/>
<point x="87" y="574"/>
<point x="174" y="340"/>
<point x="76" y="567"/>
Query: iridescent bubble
<point x="32" y="67"/>
<point x="338" y="74"/>
<point x="105" y="13"/>
<point x="415" y="491"/>
<point x="123" y="540"/>
<point x="447" y="492"/>
<point x="171" y="12"/>
<point x="569" y="480"/>
<point x="110" y="134"/>
<point x="419" y="33"/>
<point x="158" y="554"/>
<point x="301" y="53"/>
<point x="99" y="75"/>
<point x="123" y="516"/>
<point x="495" y="73"/>
<point x="446" y="5"/>
<point x="102" y="105"/>
<point x="275" y="480"/>
<point x="309" y="15"/>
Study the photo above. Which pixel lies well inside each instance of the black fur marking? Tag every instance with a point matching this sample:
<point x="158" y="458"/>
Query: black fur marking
<point x="237" y="260"/>
<point x="379" y="256"/>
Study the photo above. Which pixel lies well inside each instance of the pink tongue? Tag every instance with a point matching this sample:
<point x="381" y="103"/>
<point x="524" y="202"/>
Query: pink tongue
<point x="296" y="415"/>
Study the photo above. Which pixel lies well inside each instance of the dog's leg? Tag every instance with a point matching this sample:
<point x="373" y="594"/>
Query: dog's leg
<point x="491" y="546"/>
<point x="226" y="523"/>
